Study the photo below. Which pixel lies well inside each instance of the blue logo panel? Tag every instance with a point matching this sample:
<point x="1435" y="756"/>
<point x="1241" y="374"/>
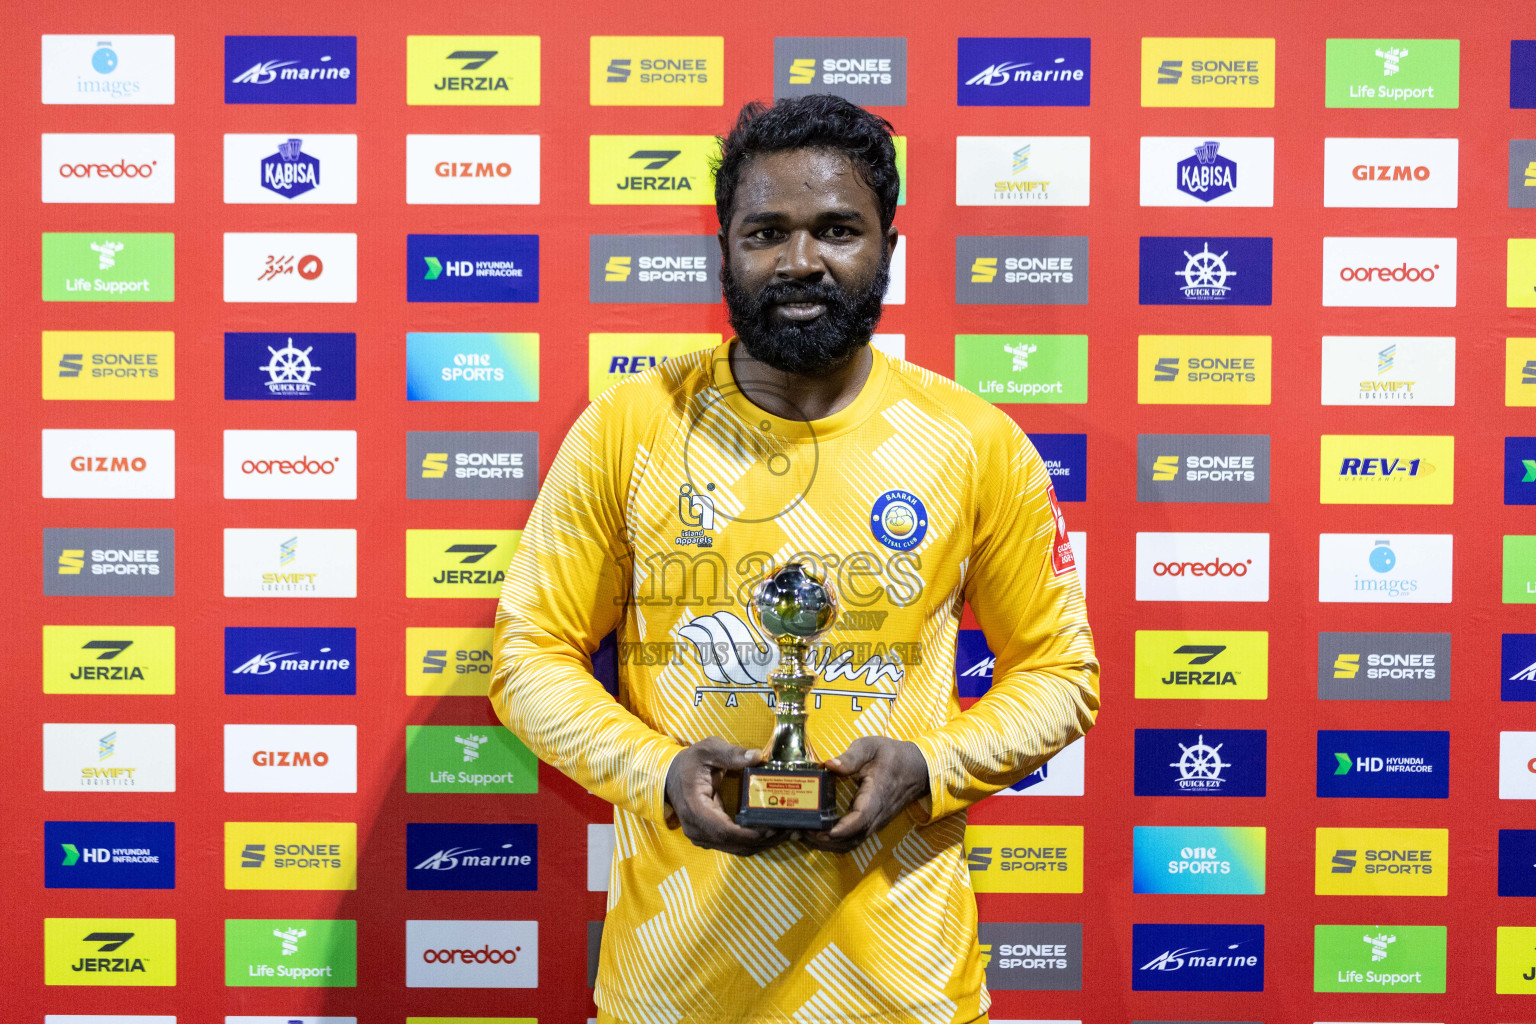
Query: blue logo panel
<point x="1197" y="957"/>
<point x="973" y="663"/>
<point x="1066" y="458"/>
<point x="1522" y="74"/>
<point x="1517" y="862"/>
<point x="1024" y="72"/>
<point x="1198" y="859"/>
<point x="1204" y="271"/>
<point x="109" y="854"/>
<point x="472" y="268"/>
<point x="475" y="857"/>
<point x="290" y="69"/>
<point x="303" y="660"/>
<point x="1356" y="763"/>
<point x="1520" y="471"/>
<point x="1201" y="762"/>
<point x="290" y="366"/>
<point x="1517" y="667"/>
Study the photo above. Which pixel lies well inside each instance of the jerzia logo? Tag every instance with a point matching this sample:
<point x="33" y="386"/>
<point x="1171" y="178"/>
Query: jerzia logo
<point x="472" y="70"/>
<point x="109" y="951"/>
<point x="652" y="169"/>
<point x="457" y="563"/>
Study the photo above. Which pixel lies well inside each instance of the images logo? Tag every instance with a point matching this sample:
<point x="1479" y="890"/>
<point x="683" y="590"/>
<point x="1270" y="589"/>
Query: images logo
<point x="1411" y="272"/>
<point x="998" y="170"/>
<point x="116" y="70"/>
<point x="1006" y="369"/>
<point x="1393" y="73"/>
<point x="1023" y="72"/>
<point x="457" y="563"/>
<point x="441" y="367"/>
<point x="612" y="358"/>
<point x="652" y="170"/>
<point x="111" y="267"/>
<point x="1358" y="469"/>
<point x="109" y="463"/>
<point x="83" y="168"/>
<point x="472" y="464"/>
<point x="1384" y="666"/>
<point x="1202" y="665"/>
<point x="1382" y="861"/>
<point x="472" y="268"/>
<point x="1197" y="957"/>
<point x="1517" y="766"/>
<point x="289" y="953"/>
<point x="657" y="71"/>
<point x="1207" y="762"/>
<point x="1021" y="271"/>
<point x="467" y="759"/>
<point x="1032" y="957"/>
<point x="1404" y="568"/>
<point x="1200" y="860"/>
<point x="1354" y="763"/>
<point x="1371" y="958"/>
<point x="654" y="268"/>
<point x="297" y="660"/>
<point x="1025" y="858"/>
<point x="471" y="954"/>
<point x="290" y="855"/>
<point x="290" y="366"/>
<point x="1185" y="369"/>
<point x="290" y="267"/>
<point x="109" y="563"/>
<point x="1207" y="72"/>
<point x="472" y="857"/>
<point x="109" y="366"/>
<point x="290" y="563"/>
<point x="477" y="170"/>
<point x="290" y="169"/>
<point x="1202" y="468"/>
<point x="1517" y="662"/>
<point x="1225" y="271"/>
<point x="109" y="951"/>
<point x="290" y="69"/>
<point x="290" y="759"/>
<point x="94" y="758"/>
<point x="472" y="71"/>
<point x="109" y="855"/>
<point x="1202" y="567"/>
<point x="871" y="72"/>
<point x="109" y="659"/>
<point x="1389" y="371"/>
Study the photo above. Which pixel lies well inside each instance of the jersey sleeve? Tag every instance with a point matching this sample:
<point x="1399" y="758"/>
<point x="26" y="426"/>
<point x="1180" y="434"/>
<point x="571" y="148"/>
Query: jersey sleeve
<point x="1023" y="588"/>
<point x="565" y="590"/>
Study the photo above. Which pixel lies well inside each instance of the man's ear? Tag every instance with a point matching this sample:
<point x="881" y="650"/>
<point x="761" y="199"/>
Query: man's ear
<point x="891" y="238"/>
<point x="720" y="237"/>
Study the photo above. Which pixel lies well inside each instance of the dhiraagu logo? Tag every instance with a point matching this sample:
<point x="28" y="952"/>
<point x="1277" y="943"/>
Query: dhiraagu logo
<point x="612" y="358"/>
<point x="1025" y="858"/>
<point x="109" y="266"/>
<point x="290" y="953"/>
<point x="457" y="563"/>
<point x="1378" y="958"/>
<point x="1200" y="860"/>
<point x="1006" y="369"/>
<point x="468" y="759"/>
<point x="448" y="662"/>
<point x="1519" y="570"/>
<point x="1393" y="73"/>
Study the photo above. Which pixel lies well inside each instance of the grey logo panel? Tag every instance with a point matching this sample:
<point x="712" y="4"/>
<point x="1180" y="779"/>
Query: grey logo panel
<point x="654" y="268"/>
<point x="1202" y="467"/>
<point x="109" y="563"/>
<point x="1522" y="173"/>
<point x="1033" y="957"/>
<point x="472" y="464"/>
<point x="594" y="947"/>
<point x="1021" y="270"/>
<point x="869" y="71"/>
<point x="1384" y="666"/>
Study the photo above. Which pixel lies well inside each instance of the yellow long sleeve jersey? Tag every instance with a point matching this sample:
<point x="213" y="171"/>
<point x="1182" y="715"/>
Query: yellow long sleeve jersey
<point x="669" y="497"/>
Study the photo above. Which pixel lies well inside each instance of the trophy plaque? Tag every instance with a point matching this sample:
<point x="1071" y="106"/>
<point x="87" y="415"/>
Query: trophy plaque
<point x="792" y="607"/>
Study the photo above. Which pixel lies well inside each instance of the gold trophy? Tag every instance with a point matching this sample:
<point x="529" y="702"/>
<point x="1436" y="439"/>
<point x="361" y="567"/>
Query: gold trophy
<point x="793" y="606"/>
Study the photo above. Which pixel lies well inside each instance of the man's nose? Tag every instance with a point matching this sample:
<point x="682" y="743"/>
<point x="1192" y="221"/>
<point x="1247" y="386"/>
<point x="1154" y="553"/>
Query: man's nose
<point x="800" y="258"/>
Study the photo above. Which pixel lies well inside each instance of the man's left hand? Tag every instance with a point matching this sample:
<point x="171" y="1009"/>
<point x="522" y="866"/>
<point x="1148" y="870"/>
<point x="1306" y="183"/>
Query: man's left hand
<point x="892" y="774"/>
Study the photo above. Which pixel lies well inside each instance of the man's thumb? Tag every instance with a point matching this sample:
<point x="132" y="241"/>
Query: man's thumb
<point x="854" y="758"/>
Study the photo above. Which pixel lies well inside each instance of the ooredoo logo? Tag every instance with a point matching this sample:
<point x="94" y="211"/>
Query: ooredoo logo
<point x="1202" y="567"/>
<point x="290" y="464"/>
<point x="109" y="168"/>
<point x="290" y="759"/>
<point x="1389" y="271"/>
<point x="471" y="954"/>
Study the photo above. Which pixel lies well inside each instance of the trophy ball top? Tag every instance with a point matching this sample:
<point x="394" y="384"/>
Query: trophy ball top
<point x="795" y="601"/>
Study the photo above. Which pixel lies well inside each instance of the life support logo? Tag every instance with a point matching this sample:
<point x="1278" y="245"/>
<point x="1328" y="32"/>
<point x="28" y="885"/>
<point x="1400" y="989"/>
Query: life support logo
<point x="899" y="520"/>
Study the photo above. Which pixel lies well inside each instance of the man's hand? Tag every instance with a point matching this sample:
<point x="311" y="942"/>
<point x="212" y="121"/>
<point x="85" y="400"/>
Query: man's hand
<point x="693" y="790"/>
<point x="892" y="775"/>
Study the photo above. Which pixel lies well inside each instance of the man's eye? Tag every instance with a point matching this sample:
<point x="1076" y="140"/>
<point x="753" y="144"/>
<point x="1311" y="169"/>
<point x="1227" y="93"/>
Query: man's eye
<point x="766" y="234"/>
<point x="838" y="231"/>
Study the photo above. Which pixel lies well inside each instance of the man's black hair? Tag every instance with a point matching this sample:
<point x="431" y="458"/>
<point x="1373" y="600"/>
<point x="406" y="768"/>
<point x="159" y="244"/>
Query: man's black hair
<point x="820" y="121"/>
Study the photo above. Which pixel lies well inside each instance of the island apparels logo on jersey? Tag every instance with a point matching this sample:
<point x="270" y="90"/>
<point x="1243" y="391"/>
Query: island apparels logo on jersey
<point x="697" y="514"/>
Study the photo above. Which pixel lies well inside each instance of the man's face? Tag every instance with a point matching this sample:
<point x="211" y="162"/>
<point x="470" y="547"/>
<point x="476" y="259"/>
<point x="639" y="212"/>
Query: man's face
<point x="805" y="264"/>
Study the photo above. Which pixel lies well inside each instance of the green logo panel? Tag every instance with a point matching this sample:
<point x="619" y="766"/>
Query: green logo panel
<point x="1008" y="369"/>
<point x="289" y="953"/>
<point x="1519" y="570"/>
<point x="109" y="266"/>
<point x="1394" y="73"/>
<point x="467" y="759"/>
<point x="1378" y="958"/>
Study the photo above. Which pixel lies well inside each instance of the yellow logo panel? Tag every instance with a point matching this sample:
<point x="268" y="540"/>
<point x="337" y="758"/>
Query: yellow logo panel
<point x="1520" y="274"/>
<point x="1520" y="371"/>
<point x="1384" y="469"/>
<point x="290" y="855"/>
<point x="1203" y="369"/>
<point x="109" y="951"/>
<point x="1382" y="861"/>
<point x="457" y="563"/>
<point x="471" y="1020"/>
<point x="652" y="170"/>
<point x="658" y="71"/>
<point x="1202" y="664"/>
<point x="1516" y="971"/>
<point x="612" y="358"/>
<point x="109" y="366"/>
<point x="1025" y="858"/>
<point x="448" y="662"/>
<point x="1207" y="72"/>
<point x="109" y="659"/>
<point x="472" y="71"/>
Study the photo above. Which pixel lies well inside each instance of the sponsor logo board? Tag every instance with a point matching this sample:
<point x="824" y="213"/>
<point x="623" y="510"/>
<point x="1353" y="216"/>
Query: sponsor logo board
<point x="1021" y="170"/>
<point x="1025" y="858"/>
<point x="1378" y="958"/>
<point x="290" y="464"/>
<point x="1393" y="74"/>
<point x="290" y="759"/>
<point x="1409" y="272"/>
<point x="471" y="367"/>
<point x="109" y="659"/>
<point x="1198" y="171"/>
<point x="109" y="463"/>
<point x="290" y="169"/>
<point x="83" y="757"/>
<point x="1381" y="862"/>
<point x="114" y="69"/>
<point x="109" y="951"/>
<point x="1021" y="270"/>
<point x="290" y="267"/>
<point x="1062" y="775"/>
<point x="109" y="168"/>
<point x="1390" y="764"/>
<point x="472" y="464"/>
<point x="1381" y="469"/>
<point x="1201" y="762"/>
<point x="1202" y="567"/>
<point x="1390" y="173"/>
<point x="109" y="266"/>
<point x="869" y="71"/>
<point x="1517" y="862"/>
<point x="654" y="268"/>
<point x="1403" y="568"/>
<point x="1193" y="369"/>
<point x="1520" y="274"/>
<point x="601" y="841"/>
<point x="1207" y="72"/>
<point x="289" y="953"/>
<point x="448" y="662"/>
<point x="657" y="71"/>
<point x="1008" y="369"/>
<point x="652" y="170"/>
<point x="1517" y="765"/>
<point x="1384" y="666"/>
<point x="290" y="855"/>
<point x="290" y="563"/>
<point x="472" y="268"/>
<point x="472" y="170"/>
<point x="1197" y="957"/>
<point x="1032" y="957"/>
<point x="1522" y="74"/>
<point x="1388" y="371"/>
<point x="1202" y="664"/>
<point x="612" y="358"/>
<point x="294" y="660"/>
<point x="109" y="366"/>
<point x="1024" y="72"/>
<point x="109" y="854"/>
<point x="457" y="563"/>
<point x="1517" y="662"/>
<point x="1202" y="467"/>
<point x="1066" y="460"/>
<point x="471" y="954"/>
<point x="467" y="759"/>
<point x="472" y="857"/>
<point x="290" y="69"/>
<point x="1198" y="860"/>
<point x="472" y="71"/>
<point x="1522" y="172"/>
<point x="1206" y="271"/>
<point x="290" y="366"/>
<point x="109" y="563"/>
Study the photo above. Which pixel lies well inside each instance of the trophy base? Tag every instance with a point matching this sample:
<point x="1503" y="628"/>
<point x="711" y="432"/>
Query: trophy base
<point x="795" y="798"/>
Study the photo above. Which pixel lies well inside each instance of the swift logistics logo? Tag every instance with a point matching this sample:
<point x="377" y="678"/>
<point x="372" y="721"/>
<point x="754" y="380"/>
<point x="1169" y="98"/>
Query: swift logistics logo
<point x="472" y="170"/>
<point x="109" y="854"/>
<point x="1393" y="74"/>
<point x="1398" y="272"/>
<point x="290" y="563"/>
<point x="1197" y="957"/>
<point x="448" y="662"/>
<point x="109" y="366"/>
<point x="1207" y="72"/>
<point x="1389" y="764"/>
<point x="112" y="266"/>
<point x="109" y="951"/>
<point x="290" y="464"/>
<point x="457" y="563"/>
<point x="1008" y="369"/>
<point x="869" y="71"/>
<point x="612" y="358"/>
<point x="289" y="953"/>
<point x="1191" y="369"/>
<point x="1522" y="174"/>
<point x="1198" y="860"/>
<point x="109" y="463"/>
<point x="1199" y="171"/>
<point x="472" y="71"/>
<point x="290" y="759"/>
<point x="467" y="759"/>
<point x="1202" y="664"/>
<point x="1380" y="469"/>
<point x="290" y="267"/>
<point x="290" y="69"/>
<point x="109" y="563"/>
<point x="297" y="660"/>
<point x="299" y="169"/>
<point x="1388" y="370"/>
<point x="1206" y="271"/>
<point x="472" y="857"/>
<point x="1021" y="270"/>
<point x="290" y="366"/>
<point x="109" y="659"/>
<point x="1378" y="958"/>
<point x="1384" y="666"/>
<point x="1020" y="170"/>
<point x="1202" y="567"/>
<point x="1405" y="568"/>
<point x="1025" y="858"/>
<point x="108" y="70"/>
<point x="108" y="168"/>
<point x="290" y="855"/>
<point x="1066" y="460"/>
<point x="1024" y="72"/>
<point x="1201" y="762"/>
<point x="472" y="954"/>
<point x="1382" y="862"/>
<point x="653" y="268"/>
<point x="93" y="757"/>
<point x="1517" y="663"/>
<point x="1517" y="862"/>
<point x="1032" y="957"/>
<point x="472" y="464"/>
<point x="471" y="367"/>
<point x="1390" y="173"/>
<point x="1202" y="468"/>
<point x="657" y="71"/>
<point x="652" y="170"/>
<point x="472" y="268"/>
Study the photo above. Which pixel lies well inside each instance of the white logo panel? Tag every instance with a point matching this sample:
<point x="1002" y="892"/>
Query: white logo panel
<point x="474" y="170"/>
<point x="1371" y="568"/>
<point x="1390" y="173"/>
<point x="109" y="464"/>
<point x="1062" y="775"/>
<point x="600" y="844"/>
<point x="109" y="69"/>
<point x="109" y="168"/>
<point x="1388" y="371"/>
<point x="289" y="464"/>
<point x="290" y="563"/>
<point x="293" y="168"/>
<point x="1023" y="170"/>
<point x="896" y="291"/>
<point x="290" y="759"/>
<point x="471" y="954"/>
<point x="1517" y="766"/>
<point x="1202" y="567"/>
<point x="1079" y="542"/>
<point x="1389" y="271"/>
<point x="1202" y="171"/>
<point x="109" y="758"/>
<point x="290" y="267"/>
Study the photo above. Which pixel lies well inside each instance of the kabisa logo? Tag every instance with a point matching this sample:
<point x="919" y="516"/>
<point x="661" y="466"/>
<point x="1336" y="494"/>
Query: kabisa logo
<point x="1025" y="858"/>
<point x="1393" y="73"/>
<point x="1205" y="271"/>
<point x="1517" y="766"/>
<point x="1207" y="72"/>
<point x="1186" y="369"/>
<point x="118" y="267"/>
<point x="1207" y="175"/>
<point x="95" y="757"/>
<point x="290" y="171"/>
<point x="1015" y="368"/>
<point x="109" y="951"/>
<point x="1413" y="272"/>
<point x="657" y="71"/>
<point x="282" y="169"/>
<point x="290" y="366"/>
<point x="110" y="366"/>
<point x="1381" y="862"/>
<point x="85" y="168"/>
<point x="1022" y="271"/>
<point x="288" y="953"/>
<point x="115" y="69"/>
<point x="472" y="268"/>
<point x="869" y="71"/>
<point x="1354" y="763"/>
<point x="457" y="563"/>
<point x="290" y="69"/>
<point x="899" y="520"/>
<point x="109" y="659"/>
<point x="1391" y="173"/>
<point x="1066" y="460"/>
<point x="1360" y="469"/>
<point x="1384" y="666"/>
<point x="612" y="358"/>
<point x="1202" y="467"/>
<point x="1372" y="958"/>
<point x="112" y="562"/>
<point x="1200" y="171"/>
<point x="290" y="855"/>
<point x="295" y="660"/>
<point x="653" y="268"/>
<point x="1024" y="72"/>
<point x="472" y="170"/>
<point x="1032" y="957"/>
<point x="652" y="169"/>
<point x="467" y="759"/>
<point x="1202" y="567"/>
<point x="472" y="857"/>
<point x="290" y="464"/>
<point x="477" y="71"/>
<point x="487" y="367"/>
<point x="109" y="463"/>
<point x="471" y="954"/>
<point x="1202" y="665"/>
<point x="472" y="464"/>
<point x="1199" y="860"/>
<point x="1197" y="957"/>
<point x="109" y="854"/>
<point x="1208" y="762"/>
<point x="1406" y="568"/>
<point x="290" y="759"/>
<point x="1517" y="664"/>
<point x="447" y="662"/>
<point x="1517" y="862"/>
<point x="1379" y="370"/>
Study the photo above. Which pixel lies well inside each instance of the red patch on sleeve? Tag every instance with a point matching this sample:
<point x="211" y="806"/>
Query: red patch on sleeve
<point x="1062" y="559"/>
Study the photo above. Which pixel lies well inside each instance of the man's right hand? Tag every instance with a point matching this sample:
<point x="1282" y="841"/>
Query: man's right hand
<point x="693" y="790"/>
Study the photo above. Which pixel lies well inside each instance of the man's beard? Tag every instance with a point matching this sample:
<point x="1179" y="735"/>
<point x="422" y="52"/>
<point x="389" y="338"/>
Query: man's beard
<point x="810" y="348"/>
